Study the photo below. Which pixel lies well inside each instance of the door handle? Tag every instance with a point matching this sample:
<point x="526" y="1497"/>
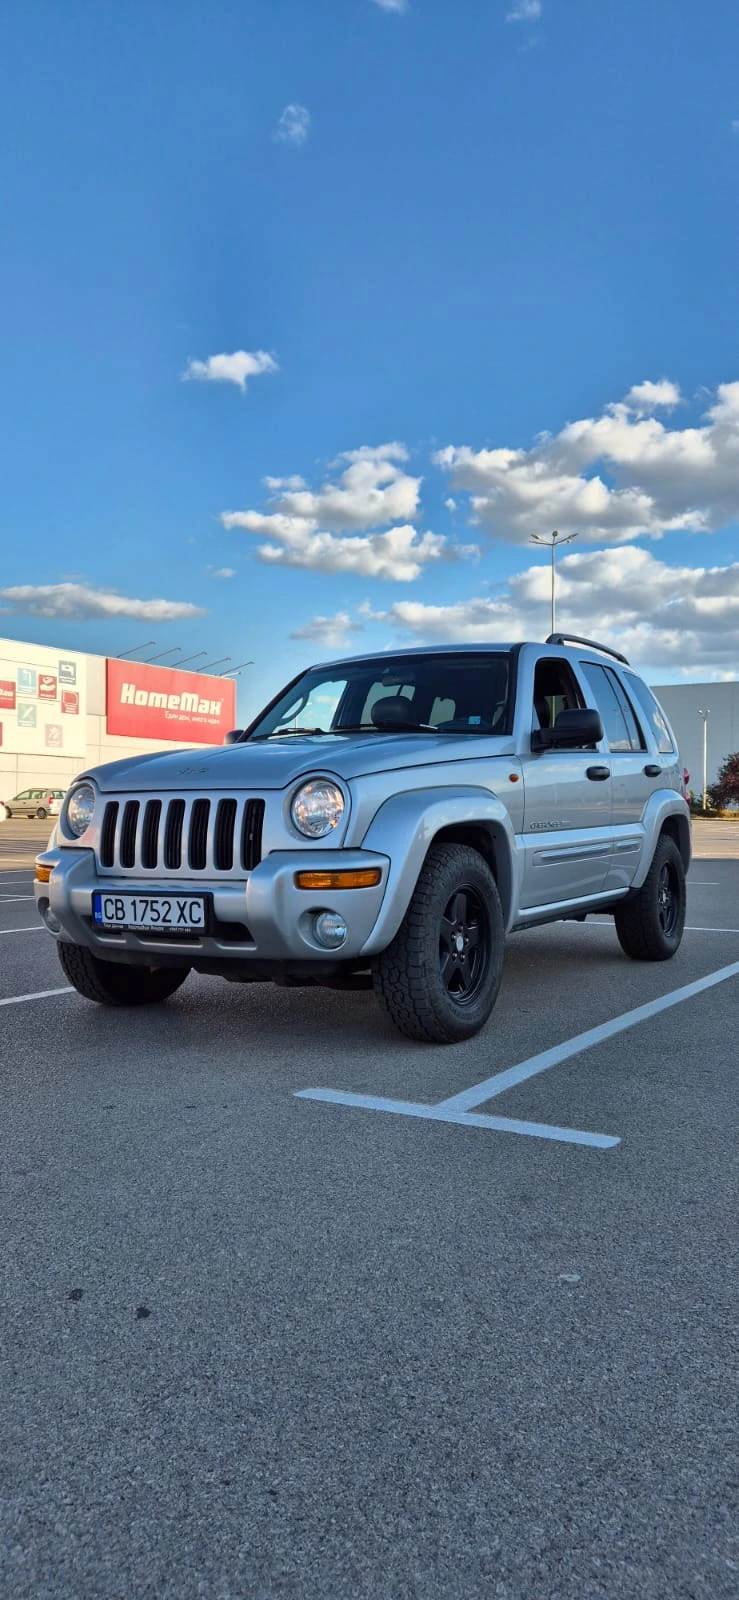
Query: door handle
<point x="651" y="770"/>
<point x="597" y="774"/>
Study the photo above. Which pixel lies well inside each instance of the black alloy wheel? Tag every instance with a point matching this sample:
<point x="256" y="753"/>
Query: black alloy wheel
<point x="439" y="977"/>
<point x="668" y="899"/>
<point x="650" y="922"/>
<point x="464" y="945"/>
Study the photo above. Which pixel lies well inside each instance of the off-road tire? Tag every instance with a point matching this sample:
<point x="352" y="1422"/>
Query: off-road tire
<point x="648" y="927"/>
<point x="111" y="984"/>
<point x="407" y="976"/>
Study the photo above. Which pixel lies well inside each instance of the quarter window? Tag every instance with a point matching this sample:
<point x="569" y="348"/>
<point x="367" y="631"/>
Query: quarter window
<point x="652" y="710"/>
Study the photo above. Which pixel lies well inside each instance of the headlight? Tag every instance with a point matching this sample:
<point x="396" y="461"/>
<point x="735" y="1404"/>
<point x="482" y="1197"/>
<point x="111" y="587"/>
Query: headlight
<point x="317" y="808"/>
<point x="80" y="806"/>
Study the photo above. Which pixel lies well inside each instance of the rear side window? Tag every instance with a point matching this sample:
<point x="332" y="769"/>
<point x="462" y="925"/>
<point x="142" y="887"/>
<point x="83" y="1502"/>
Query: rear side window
<point x="619" y="722"/>
<point x="652" y="712"/>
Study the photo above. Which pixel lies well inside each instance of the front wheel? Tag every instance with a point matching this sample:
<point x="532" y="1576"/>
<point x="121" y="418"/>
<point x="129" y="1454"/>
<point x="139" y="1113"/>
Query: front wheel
<point x="650" y="924"/>
<point x="113" y="985"/>
<point x="439" y="979"/>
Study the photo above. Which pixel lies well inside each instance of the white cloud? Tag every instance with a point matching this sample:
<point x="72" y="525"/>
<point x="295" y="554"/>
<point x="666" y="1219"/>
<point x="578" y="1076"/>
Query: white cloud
<point x="235" y="368"/>
<point x="685" y="619"/>
<point x="80" y="602"/>
<point x="294" y="125"/>
<point x="332" y="632"/>
<point x="614" y="477"/>
<point x="223" y="572"/>
<point x="524" y="11"/>
<point x="337" y="528"/>
<point x="643" y="398"/>
<point x="399" y="554"/>
<point x="398" y="6"/>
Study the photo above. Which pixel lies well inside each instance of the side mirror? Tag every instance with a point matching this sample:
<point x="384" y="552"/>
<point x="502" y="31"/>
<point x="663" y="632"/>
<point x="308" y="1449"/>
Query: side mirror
<point x="234" y="736"/>
<point x="572" y="730"/>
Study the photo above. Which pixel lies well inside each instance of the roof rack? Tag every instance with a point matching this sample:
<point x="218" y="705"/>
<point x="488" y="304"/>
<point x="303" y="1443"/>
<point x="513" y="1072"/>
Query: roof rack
<point x="592" y="644"/>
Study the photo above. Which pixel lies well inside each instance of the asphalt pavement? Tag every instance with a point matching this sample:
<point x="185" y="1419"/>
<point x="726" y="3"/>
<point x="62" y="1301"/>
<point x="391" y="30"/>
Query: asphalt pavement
<point x="259" y="1346"/>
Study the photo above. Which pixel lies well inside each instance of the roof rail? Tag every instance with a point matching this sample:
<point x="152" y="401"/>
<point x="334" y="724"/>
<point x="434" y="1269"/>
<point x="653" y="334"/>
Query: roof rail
<point x="592" y="644"/>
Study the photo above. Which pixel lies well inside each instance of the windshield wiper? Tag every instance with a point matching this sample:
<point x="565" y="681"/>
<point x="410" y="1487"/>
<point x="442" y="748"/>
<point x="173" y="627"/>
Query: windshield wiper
<point x="284" y="733"/>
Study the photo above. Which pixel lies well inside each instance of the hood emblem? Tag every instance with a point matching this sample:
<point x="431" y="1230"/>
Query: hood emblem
<point x="191" y="772"/>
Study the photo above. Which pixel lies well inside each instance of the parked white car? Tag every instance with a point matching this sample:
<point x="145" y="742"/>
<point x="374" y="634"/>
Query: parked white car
<point x="41" y="803"/>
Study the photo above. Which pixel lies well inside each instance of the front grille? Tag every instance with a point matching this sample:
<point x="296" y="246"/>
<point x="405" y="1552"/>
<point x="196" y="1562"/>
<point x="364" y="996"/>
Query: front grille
<point x="195" y="835"/>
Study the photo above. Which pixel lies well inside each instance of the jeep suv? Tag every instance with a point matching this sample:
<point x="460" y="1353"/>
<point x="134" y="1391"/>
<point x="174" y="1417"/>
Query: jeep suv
<point x="385" y="821"/>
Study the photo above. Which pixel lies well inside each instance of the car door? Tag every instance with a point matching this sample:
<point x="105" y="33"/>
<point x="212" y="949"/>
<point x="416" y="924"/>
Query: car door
<point x="633" y="771"/>
<point x="566" y="838"/>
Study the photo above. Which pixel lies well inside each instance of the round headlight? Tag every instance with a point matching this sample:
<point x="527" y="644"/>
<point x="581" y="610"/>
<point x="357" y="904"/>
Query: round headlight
<point x="317" y="808"/>
<point x="80" y="806"/>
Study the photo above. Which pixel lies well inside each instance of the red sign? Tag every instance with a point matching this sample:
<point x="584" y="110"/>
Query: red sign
<point x="159" y="703"/>
<point x="47" y="686"/>
<point x="7" y="695"/>
<point x="70" y="701"/>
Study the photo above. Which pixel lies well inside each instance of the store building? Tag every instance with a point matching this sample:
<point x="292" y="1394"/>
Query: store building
<point x="62" y="712"/>
<point x="684" y="703"/>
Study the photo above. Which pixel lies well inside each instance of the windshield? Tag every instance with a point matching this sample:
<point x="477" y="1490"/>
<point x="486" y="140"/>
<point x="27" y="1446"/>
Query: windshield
<point x="460" y="694"/>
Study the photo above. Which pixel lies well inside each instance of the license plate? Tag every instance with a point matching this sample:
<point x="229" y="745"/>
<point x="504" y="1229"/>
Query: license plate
<point x="167" y="913"/>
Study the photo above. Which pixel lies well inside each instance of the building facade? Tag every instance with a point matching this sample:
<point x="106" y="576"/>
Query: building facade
<point x="62" y="711"/>
<point x="683" y="703"/>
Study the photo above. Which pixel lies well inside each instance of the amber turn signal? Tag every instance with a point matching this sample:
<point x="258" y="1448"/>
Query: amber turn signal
<point x="43" y="874"/>
<point x="362" y="878"/>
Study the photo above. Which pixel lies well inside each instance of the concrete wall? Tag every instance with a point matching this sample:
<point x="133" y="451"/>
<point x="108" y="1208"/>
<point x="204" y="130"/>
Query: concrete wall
<point x="682" y="702"/>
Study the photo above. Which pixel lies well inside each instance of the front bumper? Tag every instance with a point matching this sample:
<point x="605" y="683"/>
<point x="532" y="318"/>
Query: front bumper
<point x="261" y="917"/>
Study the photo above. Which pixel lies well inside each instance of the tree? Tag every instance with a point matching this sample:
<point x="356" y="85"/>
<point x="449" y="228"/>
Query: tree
<point x="725" y="791"/>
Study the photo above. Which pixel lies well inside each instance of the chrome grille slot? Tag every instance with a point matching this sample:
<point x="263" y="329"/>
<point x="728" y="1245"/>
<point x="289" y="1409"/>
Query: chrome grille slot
<point x="251" y="834"/>
<point x="173" y="835"/>
<point x="107" y="834"/>
<point x="128" y="833"/>
<point x="223" y="841"/>
<point x="193" y="835"/>
<point x="150" y="833"/>
<point x="198" y="840"/>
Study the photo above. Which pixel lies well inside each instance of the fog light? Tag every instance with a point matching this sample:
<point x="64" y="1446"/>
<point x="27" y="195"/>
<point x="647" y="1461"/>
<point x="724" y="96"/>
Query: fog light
<point x="330" y="929"/>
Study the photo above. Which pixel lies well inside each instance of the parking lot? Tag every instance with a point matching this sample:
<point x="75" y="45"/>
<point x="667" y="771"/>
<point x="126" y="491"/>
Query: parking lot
<point x="436" y="1328"/>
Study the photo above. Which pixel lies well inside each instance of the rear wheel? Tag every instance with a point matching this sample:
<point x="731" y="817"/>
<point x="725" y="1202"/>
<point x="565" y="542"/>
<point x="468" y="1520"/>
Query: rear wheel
<point x="113" y="985"/>
<point x="650" y="924"/>
<point x="439" y="979"/>
<point x="42" y="814"/>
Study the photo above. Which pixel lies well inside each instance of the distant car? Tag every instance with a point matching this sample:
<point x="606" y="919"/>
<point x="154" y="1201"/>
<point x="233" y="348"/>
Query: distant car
<point x="41" y="803"/>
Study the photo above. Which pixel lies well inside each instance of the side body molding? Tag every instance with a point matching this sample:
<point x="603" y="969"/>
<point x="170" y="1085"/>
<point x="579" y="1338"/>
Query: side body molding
<point x="404" y="828"/>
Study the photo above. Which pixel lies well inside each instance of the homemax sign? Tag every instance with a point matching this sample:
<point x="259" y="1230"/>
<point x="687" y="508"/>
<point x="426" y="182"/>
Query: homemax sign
<point x="144" y="702"/>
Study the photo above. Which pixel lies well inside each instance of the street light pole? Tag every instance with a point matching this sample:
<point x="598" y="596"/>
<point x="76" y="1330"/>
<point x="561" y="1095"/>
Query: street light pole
<point x="554" y="539"/>
<point x="705" y="715"/>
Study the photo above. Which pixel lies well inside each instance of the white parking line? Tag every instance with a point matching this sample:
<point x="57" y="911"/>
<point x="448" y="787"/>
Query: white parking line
<point x="36" y="927"/>
<point x="480" y="1092"/>
<point x="41" y="994"/>
<point x="8" y="898"/>
<point x="459" y="1107"/>
<point x="607" y="922"/>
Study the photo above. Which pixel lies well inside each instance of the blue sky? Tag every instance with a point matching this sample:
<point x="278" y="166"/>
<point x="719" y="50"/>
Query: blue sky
<point x="446" y="229"/>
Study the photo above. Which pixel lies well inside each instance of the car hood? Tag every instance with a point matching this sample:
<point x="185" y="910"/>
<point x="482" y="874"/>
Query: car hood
<point x="280" y="762"/>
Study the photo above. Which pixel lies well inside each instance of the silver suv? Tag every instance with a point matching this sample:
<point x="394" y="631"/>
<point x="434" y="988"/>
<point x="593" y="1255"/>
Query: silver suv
<point x="385" y="821"/>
